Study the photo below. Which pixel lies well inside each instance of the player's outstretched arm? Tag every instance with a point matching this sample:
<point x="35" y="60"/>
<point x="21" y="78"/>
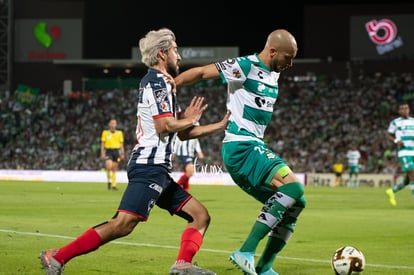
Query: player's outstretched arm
<point x="204" y="130"/>
<point x="195" y="74"/>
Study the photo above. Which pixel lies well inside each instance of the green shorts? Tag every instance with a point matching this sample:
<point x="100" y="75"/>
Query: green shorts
<point x="252" y="165"/>
<point x="407" y="163"/>
<point x="353" y="169"/>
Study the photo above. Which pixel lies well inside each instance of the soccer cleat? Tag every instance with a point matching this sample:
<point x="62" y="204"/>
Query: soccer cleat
<point x="244" y="261"/>
<point x="114" y="188"/>
<point x="49" y="264"/>
<point x="109" y="185"/>
<point x="269" y="272"/>
<point x="391" y="196"/>
<point x="189" y="269"/>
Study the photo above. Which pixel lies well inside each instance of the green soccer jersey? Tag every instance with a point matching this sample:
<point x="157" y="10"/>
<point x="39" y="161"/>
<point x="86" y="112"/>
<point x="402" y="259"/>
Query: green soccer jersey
<point x="403" y="129"/>
<point x="252" y="90"/>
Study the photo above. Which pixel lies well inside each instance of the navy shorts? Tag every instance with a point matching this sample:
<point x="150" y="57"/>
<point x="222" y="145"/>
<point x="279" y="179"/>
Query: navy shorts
<point x="184" y="160"/>
<point x="150" y="185"/>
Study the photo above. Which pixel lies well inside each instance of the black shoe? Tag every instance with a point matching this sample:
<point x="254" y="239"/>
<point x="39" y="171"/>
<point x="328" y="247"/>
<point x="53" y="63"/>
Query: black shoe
<point x="109" y="186"/>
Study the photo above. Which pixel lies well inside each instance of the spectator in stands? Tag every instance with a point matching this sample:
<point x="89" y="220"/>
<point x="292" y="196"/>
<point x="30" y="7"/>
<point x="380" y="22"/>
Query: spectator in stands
<point x="314" y="118"/>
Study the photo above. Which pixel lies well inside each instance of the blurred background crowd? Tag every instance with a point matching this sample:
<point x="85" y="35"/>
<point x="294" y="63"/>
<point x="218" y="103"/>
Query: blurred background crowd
<point x="315" y="122"/>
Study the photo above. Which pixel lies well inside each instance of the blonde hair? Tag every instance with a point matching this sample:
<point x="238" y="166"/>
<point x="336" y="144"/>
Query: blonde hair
<point x="154" y="41"/>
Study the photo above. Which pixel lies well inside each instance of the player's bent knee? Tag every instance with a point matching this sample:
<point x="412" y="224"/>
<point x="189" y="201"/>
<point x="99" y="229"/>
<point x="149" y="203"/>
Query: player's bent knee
<point x="294" y="190"/>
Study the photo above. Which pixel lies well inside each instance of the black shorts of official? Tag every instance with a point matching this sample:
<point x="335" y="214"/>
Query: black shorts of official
<point x="112" y="154"/>
<point x="150" y="185"/>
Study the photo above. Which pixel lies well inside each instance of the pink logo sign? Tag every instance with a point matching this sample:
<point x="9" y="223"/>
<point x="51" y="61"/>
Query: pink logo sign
<point x="381" y="32"/>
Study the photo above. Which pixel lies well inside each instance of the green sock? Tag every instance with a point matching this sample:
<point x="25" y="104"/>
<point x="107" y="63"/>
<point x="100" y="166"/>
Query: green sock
<point x="280" y="235"/>
<point x="400" y="185"/>
<point x="273" y="246"/>
<point x="258" y="232"/>
<point x="273" y="211"/>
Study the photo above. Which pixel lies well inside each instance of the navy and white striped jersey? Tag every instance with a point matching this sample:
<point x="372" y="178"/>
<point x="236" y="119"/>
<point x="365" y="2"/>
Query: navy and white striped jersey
<point x="187" y="148"/>
<point x="155" y="100"/>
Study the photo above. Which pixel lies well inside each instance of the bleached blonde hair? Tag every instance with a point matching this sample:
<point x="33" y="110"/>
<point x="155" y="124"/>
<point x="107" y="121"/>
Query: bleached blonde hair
<point x="154" y="41"/>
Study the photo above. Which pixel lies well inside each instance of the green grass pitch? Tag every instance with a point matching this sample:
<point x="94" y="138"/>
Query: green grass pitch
<point x="39" y="215"/>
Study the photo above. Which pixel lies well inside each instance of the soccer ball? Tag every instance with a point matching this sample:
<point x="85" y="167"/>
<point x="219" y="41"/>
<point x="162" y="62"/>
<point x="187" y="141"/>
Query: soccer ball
<point x="348" y="260"/>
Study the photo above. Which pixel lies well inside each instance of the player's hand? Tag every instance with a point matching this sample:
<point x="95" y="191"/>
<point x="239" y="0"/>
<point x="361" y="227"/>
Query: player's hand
<point x="196" y="109"/>
<point x="225" y="119"/>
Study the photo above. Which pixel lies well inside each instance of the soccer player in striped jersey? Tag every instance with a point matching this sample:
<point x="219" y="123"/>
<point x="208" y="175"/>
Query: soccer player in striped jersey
<point x="150" y="165"/>
<point x="252" y="91"/>
<point x="185" y="151"/>
<point x="401" y="132"/>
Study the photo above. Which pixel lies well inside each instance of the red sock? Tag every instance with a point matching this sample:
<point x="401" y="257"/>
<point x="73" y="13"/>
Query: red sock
<point x="87" y="242"/>
<point x="182" y="180"/>
<point x="186" y="185"/>
<point x="191" y="241"/>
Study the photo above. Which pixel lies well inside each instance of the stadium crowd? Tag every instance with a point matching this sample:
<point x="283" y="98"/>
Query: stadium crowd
<point x="316" y="123"/>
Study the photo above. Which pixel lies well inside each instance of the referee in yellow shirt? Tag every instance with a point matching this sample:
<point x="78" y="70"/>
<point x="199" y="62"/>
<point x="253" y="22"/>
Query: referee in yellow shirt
<point x="338" y="169"/>
<point x="112" y="151"/>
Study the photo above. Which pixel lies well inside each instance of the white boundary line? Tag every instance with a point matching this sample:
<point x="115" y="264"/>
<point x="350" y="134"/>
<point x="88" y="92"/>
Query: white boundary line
<point x="202" y="249"/>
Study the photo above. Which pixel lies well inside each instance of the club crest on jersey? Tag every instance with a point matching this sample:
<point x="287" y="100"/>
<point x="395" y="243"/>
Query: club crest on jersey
<point x="236" y="73"/>
<point x="165" y="107"/>
<point x="160" y="95"/>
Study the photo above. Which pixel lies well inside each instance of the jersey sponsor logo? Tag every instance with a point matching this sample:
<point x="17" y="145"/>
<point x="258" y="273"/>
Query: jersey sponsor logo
<point x="261" y="87"/>
<point x="259" y="101"/>
<point x="161" y="95"/>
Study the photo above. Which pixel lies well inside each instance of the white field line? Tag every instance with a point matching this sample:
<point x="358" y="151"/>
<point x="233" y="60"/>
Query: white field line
<point x="203" y="249"/>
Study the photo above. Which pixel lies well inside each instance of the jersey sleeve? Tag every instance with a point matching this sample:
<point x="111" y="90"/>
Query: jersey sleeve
<point x="103" y="136"/>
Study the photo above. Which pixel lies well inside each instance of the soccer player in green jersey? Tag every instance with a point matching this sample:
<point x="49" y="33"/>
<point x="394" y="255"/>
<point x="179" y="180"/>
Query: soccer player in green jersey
<point x="353" y="155"/>
<point x="252" y="90"/>
<point x="401" y="132"/>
